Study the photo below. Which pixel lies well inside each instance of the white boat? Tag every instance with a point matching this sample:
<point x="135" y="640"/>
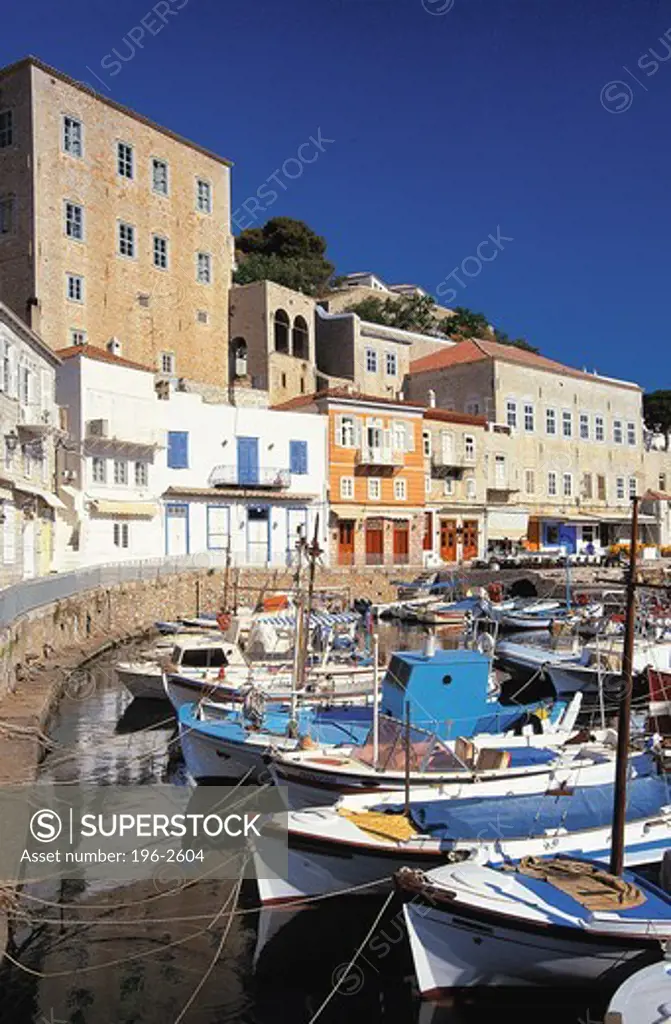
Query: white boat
<point x="552" y="922"/>
<point x="644" y="998"/>
<point x="362" y="840"/>
<point x="200" y="657"/>
<point x="274" y="683"/>
<point x="317" y="776"/>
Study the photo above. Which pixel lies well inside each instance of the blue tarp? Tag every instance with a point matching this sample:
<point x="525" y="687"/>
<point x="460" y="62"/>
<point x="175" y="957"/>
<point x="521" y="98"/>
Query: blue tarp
<point x="523" y="816"/>
<point x="334" y="725"/>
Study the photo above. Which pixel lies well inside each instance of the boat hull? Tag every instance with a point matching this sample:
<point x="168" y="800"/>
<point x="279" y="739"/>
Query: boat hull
<point x="143" y="684"/>
<point x="464" y="948"/>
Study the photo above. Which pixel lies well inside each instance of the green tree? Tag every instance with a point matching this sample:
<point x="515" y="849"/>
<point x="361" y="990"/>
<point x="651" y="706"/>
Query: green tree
<point x="657" y="413"/>
<point x="466" y="324"/>
<point x="286" y="251"/>
<point x="407" y="312"/>
<point x="503" y="339"/>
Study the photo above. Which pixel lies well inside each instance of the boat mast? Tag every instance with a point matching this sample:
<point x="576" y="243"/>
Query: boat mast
<point x="624" y="717"/>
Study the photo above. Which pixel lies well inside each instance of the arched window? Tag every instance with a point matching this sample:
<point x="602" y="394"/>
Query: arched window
<point x="300" y="342"/>
<point x="238" y="357"/>
<point x="281" y="331"/>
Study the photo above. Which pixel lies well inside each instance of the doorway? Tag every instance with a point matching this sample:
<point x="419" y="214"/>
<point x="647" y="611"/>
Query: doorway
<point x="448" y="540"/>
<point x="401" y="543"/>
<point x="345" y="542"/>
<point x="258" y="535"/>
<point x="470" y="536"/>
<point x="177" y="529"/>
<point x="374" y="542"/>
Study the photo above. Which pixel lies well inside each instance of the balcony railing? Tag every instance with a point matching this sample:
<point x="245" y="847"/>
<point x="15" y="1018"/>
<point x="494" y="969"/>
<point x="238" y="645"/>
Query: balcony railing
<point x="236" y="476"/>
<point x="451" y="460"/>
<point x="383" y="456"/>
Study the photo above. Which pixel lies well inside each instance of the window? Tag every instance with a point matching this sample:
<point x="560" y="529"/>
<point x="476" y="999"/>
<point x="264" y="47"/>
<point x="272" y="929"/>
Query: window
<point x="7" y="215"/>
<point x="120" y="534"/>
<point x="159" y="176"/>
<point x="601" y="488"/>
<point x="202" y="316"/>
<point x="120" y="471"/>
<point x="619" y="488"/>
<point x="568" y="485"/>
<point x="550" y="421"/>
<point x="426" y="443"/>
<point x="75" y="287"/>
<point x="26" y="385"/>
<point x="567" y="424"/>
<point x="74" y="221"/>
<point x="391" y="364"/>
<point x="298" y="457"/>
<point x="127" y="240"/>
<point x="178" y="449"/>
<point x="346" y="487"/>
<point x="633" y="488"/>
<point x="204" y="268"/>
<point x="347" y="433"/>
<point x="617" y="432"/>
<point x="587" y="485"/>
<point x="473" y="408"/>
<point x="371" y="360"/>
<point x="529" y="424"/>
<point x="399" y="436"/>
<point x="511" y="414"/>
<point x="77" y="336"/>
<point x="141" y="474"/>
<point x="300" y="338"/>
<point x="124" y="160"/>
<point x="469" y="448"/>
<point x="400" y="489"/>
<point x="281" y="330"/>
<point x="72" y="136"/>
<point x="631" y="433"/>
<point x="168" y="363"/>
<point x="144" y="300"/>
<point x="599" y="428"/>
<point x="662" y="482"/>
<point x="500" y="475"/>
<point x="584" y="426"/>
<point x="160" y="252"/>
<point x="203" y="196"/>
<point x="374" y="488"/>
<point x="27" y="463"/>
<point x="448" y="486"/>
<point x="6" y="128"/>
<point x="98" y="470"/>
<point x="529" y="481"/>
<point x="427" y="484"/>
<point x="552" y="483"/>
<point x="471" y="488"/>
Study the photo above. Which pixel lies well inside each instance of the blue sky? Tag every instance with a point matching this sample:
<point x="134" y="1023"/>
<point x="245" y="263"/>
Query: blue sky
<point x="450" y="121"/>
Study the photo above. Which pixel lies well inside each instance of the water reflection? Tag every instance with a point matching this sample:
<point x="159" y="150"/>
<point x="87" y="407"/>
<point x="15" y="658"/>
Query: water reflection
<point x="135" y="953"/>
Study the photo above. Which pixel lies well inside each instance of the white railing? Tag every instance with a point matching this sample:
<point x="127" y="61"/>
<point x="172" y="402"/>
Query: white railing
<point x="367" y="456"/>
<point x="231" y="476"/>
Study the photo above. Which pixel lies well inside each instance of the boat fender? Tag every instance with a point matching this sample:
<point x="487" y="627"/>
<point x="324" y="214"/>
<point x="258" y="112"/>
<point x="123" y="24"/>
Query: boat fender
<point x="486" y="645"/>
<point x="306" y="743"/>
<point x="222" y="672"/>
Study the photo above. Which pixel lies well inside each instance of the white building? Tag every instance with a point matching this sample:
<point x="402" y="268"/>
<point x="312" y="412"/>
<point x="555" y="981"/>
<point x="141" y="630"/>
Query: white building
<point x="152" y="471"/>
<point x="108" y="470"/>
<point x="29" y="430"/>
<point x="245" y="476"/>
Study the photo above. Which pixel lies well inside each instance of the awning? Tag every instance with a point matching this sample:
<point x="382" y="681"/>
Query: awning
<point x="125" y="508"/>
<point x="46" y="496"/>
<point x="6" y="495"/>
<point x="504" y="523"/>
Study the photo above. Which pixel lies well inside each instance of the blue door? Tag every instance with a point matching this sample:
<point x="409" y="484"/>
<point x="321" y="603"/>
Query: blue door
<point x="248" y="460"/>
<point x="568" y="538"/>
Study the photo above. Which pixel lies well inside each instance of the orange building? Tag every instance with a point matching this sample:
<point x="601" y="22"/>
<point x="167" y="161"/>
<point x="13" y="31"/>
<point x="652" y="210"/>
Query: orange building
<point x="376" y="477"/>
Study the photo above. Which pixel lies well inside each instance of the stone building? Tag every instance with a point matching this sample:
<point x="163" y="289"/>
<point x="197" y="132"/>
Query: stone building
<point x="30" y="430"/>
<point x="376" y="477"/>
<point x="272" y="346"/>
<point x="112" y="227"/>
<point x="565" y="446"/>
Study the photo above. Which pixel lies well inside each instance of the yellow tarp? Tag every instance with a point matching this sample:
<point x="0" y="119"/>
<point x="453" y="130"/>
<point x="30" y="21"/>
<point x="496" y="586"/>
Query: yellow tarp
<point x="591" y="886"/>
<point x="394" y="827"/>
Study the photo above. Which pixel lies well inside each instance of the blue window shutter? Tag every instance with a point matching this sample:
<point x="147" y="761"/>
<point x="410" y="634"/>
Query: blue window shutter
<point x="298" y="456"/>
<point x="178" y="449"/>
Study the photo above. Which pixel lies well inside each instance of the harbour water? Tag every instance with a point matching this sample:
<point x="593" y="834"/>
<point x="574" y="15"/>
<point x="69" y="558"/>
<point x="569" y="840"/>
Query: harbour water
<point x="138" y="953"/>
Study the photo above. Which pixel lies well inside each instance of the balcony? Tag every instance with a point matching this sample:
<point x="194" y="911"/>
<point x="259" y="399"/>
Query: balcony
<point x="36" y="421"/>
<point x="382" y="456"/>
<point x="445" y="464"/>
<point x="233" y="476"/>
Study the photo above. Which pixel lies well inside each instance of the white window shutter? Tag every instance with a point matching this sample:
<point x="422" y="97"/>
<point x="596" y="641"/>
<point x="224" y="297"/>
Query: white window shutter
<point x="410" y="437"/>
<point x="339" y="429"/>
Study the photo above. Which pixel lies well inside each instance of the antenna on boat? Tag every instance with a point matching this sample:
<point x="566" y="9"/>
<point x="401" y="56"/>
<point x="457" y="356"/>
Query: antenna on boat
<point x="303" y="614"/>
<point x="624" y="716"/>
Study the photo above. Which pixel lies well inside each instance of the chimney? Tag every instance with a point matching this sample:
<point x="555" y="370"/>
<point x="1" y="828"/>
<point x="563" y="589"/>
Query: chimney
<point x="432" y="398"/>
<point x="114" y="347"/>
